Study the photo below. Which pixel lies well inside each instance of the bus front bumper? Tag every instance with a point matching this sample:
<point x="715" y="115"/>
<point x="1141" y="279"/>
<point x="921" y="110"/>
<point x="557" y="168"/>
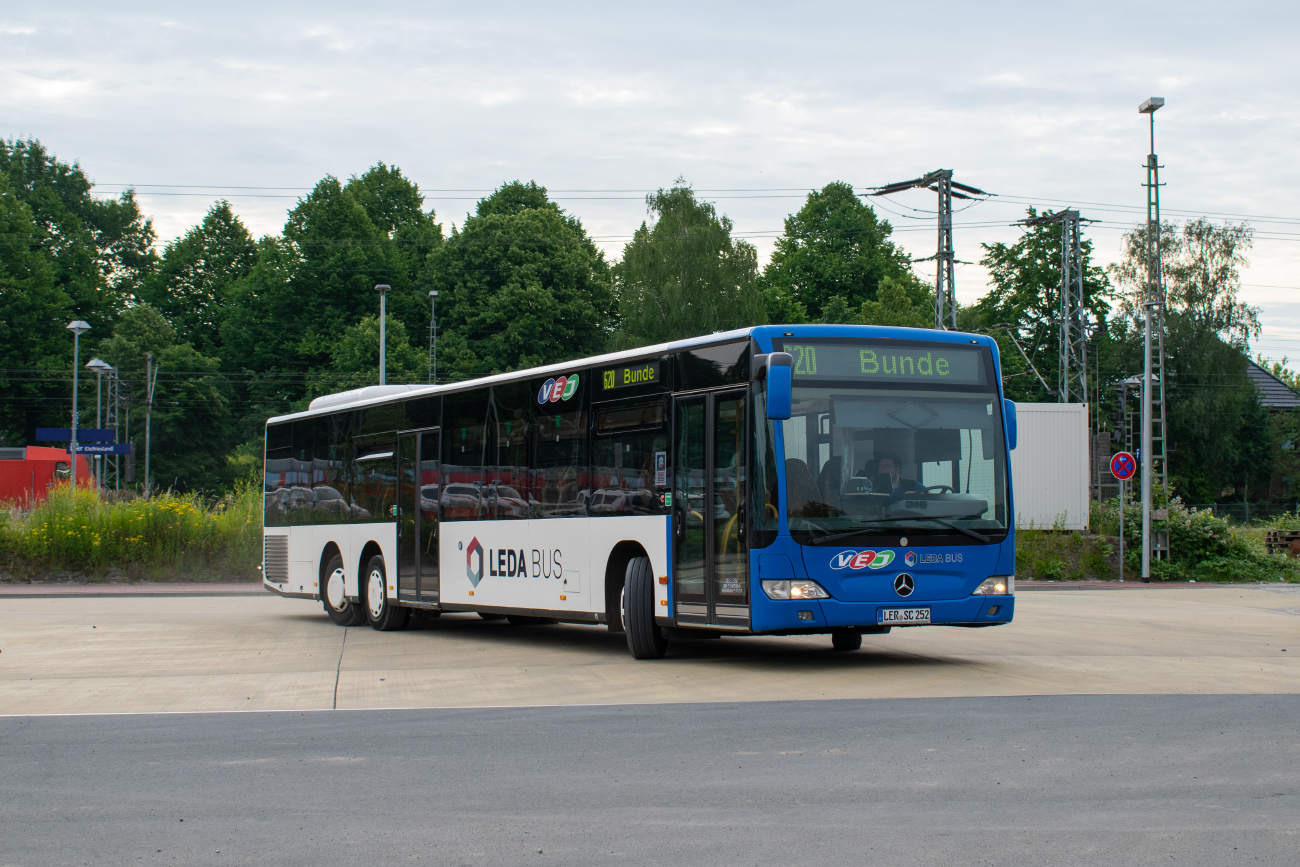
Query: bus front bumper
<point x="775" y="617"/>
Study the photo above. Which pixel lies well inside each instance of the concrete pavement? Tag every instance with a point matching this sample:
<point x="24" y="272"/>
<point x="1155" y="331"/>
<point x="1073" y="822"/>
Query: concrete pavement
<point x="133" y="655"/>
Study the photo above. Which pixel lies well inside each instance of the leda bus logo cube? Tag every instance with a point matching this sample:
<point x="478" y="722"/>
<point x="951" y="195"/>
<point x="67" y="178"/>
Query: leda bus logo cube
<point x="561" y="388"/>
<point x="856" y="560"/>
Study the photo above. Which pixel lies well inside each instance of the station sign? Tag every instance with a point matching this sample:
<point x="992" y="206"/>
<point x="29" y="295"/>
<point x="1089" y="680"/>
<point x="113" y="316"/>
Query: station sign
<point x="84" y="435"/>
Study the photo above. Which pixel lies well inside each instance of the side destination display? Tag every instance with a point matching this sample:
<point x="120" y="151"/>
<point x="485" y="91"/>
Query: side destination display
<point x="632" y="374"/>
<point x="884" y="362"/>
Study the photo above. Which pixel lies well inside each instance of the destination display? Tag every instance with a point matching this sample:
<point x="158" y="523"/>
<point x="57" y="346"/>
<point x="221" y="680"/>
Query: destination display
<point x="881" y="362"/>
<point x="633" y="374"/>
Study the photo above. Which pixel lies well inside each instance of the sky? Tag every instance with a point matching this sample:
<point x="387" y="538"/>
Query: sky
<point x="753" y="104"/>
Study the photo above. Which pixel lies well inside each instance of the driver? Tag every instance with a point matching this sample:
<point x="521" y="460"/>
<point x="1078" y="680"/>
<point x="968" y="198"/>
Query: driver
<point x="888" y="465"/>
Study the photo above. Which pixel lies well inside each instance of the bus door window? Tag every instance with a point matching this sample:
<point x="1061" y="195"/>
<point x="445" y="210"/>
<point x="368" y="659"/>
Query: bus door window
<point x="509" y="471"/>
<point x="730" y="558"/>
<point x="429" y="482"/>
<point x="688" y="508"/>
<point x="408" y="516"/>
<point x="628" y="436"/>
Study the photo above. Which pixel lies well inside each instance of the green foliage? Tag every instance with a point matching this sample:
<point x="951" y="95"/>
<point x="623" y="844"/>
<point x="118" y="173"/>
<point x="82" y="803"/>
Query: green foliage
<point x="520" y="284"/>
<point x="356" y="355"/>
<point x="834" y="247"/>
<point x="160" y="536"/>
<point x="685" y="276"/>
<point x="1201" y="546"/>
<point x="905" y="304"/>
<point x="1026" y="295"/>
<point x="193" y="283"/>
<point x="191" y="418"/>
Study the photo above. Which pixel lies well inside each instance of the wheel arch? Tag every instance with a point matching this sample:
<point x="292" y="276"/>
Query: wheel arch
<point x="328" y="553"/>
<point x="368" y="550"/>
<point x="615" y="572"/>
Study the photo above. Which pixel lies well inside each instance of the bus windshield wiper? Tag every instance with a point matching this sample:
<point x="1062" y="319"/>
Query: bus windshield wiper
<point x="835" y="537"/>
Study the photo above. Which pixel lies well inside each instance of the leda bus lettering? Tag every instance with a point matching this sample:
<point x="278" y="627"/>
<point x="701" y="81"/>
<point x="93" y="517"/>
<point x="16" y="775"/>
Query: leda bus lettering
<point x="882" y="362"/>
<point x="632" y="374"/>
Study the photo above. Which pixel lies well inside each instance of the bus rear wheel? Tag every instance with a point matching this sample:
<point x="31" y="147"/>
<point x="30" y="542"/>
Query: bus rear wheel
<point x="846" y="639"/>
<point x="645" y="638"/>
<point x="383" y="613"/>
<point x="333" y="597"/>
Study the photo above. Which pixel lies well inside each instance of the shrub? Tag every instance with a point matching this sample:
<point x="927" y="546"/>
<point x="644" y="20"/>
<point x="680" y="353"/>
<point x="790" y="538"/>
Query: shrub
<point x="80" y="531"/>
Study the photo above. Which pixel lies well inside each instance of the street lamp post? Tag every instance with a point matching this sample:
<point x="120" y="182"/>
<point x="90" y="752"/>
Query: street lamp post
<point x="100" y="367"/>
<point x="1149" y="108"/>
<point x="77" y="327"/>
<point x="433" y="335"/>
<point x="382" y="289"/>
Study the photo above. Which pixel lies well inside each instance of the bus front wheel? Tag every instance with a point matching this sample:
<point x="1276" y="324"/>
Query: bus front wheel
<point x="645" y="639"/>
<point x="336" y="603"/>
<point x="384" y="615"/>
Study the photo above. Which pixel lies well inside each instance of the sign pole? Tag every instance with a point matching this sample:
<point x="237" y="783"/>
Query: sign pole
<point x="1121" y="531"/>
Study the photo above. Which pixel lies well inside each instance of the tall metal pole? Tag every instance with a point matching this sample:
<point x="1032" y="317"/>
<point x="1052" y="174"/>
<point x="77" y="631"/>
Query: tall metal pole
<point x="382" y="289"/>
<point x="99" y="423"/>
<point x="78" y="328"/>
<point x="1152" y="300"/>
<point x="945" y="277"/>
<point x="433" y="335"/>
<point x="148" y="417"/>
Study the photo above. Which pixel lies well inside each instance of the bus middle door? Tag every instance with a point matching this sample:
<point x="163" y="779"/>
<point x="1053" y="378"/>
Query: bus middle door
<point x="710" y="558"/>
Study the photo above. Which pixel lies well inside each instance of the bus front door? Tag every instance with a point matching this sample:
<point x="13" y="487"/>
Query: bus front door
<point x="710" y="559"/>
<point x="419" y="484"/>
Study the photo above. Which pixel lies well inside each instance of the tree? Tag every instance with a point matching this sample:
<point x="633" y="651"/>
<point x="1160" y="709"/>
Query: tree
<point x="356" y="356"/>
<point x="1026" y="294"/>
<point x="685" y="276"/>
<point x="835" y="246"/>
<point x="520" y="284"/>
<point x="101" y="248"/>
<point x="1219" y="432"/>
<point x="192" y="285"/>
<point x="33" y="312"/>
<point x="191" y="417"/>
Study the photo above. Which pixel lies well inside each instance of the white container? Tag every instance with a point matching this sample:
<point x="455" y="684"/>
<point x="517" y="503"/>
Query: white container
<point x="1049" y="467"/>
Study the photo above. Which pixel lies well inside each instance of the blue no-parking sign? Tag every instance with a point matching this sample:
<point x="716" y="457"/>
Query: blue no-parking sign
<point x="1123" y="466"/>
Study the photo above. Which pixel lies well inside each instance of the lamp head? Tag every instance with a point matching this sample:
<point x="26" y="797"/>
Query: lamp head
<point x="99" y="365"/>
<point x="78" y="327"/>
<point x="382" y="288"/>
<point x="433" y="293"/>
<point x="1151" y="105"/>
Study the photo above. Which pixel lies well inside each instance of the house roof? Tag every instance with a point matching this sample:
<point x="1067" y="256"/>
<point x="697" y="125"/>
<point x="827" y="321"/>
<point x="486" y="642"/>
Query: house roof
<point x="1273" y="392"/>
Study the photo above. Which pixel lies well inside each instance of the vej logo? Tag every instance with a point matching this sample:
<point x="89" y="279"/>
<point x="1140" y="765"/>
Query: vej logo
<point x="473" y="572"/>
<point x="562" y="388"/>
<point x="862" y="560"/>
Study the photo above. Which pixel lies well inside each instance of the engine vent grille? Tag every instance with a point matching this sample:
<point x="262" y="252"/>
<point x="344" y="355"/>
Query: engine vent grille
<point x="275" y="560"/>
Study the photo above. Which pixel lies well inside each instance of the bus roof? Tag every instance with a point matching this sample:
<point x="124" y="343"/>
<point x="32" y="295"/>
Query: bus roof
<point x="373" y="395"/>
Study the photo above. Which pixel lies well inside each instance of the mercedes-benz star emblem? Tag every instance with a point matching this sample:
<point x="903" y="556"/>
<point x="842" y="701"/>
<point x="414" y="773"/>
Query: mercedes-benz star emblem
<point x="903" y="585"/>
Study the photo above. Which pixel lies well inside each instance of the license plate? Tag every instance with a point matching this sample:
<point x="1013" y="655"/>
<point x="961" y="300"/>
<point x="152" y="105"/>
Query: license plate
<point x="903" y="616"/>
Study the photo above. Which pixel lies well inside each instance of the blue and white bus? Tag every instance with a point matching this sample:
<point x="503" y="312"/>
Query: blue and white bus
<point x="776" y="480"/>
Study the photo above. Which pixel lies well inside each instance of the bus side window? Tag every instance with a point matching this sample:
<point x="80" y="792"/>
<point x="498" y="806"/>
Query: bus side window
<point x="464" y="443"/>
<point x="560" y="477"/>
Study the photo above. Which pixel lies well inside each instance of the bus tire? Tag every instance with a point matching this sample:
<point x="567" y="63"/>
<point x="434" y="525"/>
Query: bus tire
<point x="337" y="606"/>
<point x="384" y="615"/>
<point x="645" y="639"/>
<point x="846" y="639"/>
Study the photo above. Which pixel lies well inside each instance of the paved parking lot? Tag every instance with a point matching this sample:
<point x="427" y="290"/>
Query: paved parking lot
<point x="161" y="654"/>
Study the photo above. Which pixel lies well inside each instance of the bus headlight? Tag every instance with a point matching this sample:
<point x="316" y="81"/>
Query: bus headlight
<point x="794" y="590"/>
<point x="998" y="585"/>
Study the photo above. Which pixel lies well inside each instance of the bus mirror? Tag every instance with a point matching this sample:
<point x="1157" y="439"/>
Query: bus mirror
<point x="1009" y="414"/>
<point x="780" y="368"/>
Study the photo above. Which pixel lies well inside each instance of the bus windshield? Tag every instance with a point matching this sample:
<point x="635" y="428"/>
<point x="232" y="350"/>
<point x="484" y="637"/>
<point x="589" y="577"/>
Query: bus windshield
<point x="887" y="436"/>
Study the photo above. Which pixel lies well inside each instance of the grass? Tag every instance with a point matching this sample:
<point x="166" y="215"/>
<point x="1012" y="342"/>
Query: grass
<point x="167" y="536"/>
